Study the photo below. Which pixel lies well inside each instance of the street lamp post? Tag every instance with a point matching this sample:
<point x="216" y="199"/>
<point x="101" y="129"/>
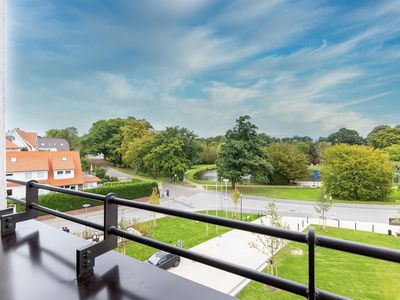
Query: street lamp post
<point x="86" y="207"/>
<point x="226" y="195"/>
<point x="241" y="206"/>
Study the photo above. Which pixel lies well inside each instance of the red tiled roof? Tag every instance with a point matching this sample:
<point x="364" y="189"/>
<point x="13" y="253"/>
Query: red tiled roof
<point x="91" y="179"/>
<point x="11" y="145"/>
<point x="27" y="161"/>
<point x="29" y="137"/>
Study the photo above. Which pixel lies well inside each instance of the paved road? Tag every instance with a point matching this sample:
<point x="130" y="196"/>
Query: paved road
<point x="189" y="198"/>
<point x="120" y="175"/>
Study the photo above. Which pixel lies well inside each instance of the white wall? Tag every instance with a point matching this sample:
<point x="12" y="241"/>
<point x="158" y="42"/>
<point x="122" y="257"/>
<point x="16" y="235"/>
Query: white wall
<point x="19" y="191"/>
<point x="26" y="176"/>
<point x="89" y="185"/>
<point x="64" y="175"/>
<point x="3" y="201"/>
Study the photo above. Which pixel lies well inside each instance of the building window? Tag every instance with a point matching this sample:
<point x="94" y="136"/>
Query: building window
<point x="60" y="172"/>
<point x="9" y="192"/>
<point x="9" y="174"/>
<point x="67" y="172"/>
<point x="13" y="159"/>
<point x="28" y="175"/>
<point x="72" y="187"/>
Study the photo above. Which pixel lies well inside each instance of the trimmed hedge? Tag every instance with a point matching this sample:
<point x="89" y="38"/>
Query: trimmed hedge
<point x="133" y="180"/>
<point x="127" y="190"/>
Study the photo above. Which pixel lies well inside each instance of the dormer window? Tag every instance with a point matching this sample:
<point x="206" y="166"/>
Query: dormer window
<point x="13" y="159"/>
<point x="63" y="158"/>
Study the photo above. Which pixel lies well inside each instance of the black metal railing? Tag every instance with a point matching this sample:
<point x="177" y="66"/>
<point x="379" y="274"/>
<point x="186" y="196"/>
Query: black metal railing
<point x="86" y="255"/>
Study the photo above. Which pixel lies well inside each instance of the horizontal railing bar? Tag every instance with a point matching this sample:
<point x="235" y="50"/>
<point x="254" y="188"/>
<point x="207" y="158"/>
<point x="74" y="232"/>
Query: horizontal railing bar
<point x="277" y="282"/>
<point x="67" y="217"/>
<point x="324" y="295"/>
<point x="16" y="181"/>
<point x="241" y="225"/>
<point x="69" y="192"/>
<point x="358" y="248"/>
<point x="16" y="200"/>
<point x="60" y="190"/>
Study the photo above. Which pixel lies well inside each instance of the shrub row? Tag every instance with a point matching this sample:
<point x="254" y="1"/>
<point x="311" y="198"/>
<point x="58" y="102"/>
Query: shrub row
<point x="127" y="190"/>
<point x="133" y="180"/>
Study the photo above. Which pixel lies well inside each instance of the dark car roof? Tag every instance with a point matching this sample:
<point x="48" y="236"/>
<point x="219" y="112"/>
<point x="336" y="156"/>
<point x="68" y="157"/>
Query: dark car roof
<point x="161" y="253"/>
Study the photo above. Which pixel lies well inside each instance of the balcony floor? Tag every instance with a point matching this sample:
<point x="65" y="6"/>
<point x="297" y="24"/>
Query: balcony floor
<point x="38" y="262"/>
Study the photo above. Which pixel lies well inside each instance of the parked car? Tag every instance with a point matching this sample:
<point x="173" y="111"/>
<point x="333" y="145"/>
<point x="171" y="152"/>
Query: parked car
<point x="164" y="260"/>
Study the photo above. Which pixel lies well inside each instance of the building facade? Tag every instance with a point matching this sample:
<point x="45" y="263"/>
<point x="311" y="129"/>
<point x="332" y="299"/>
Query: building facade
<point x="56" y="168"/>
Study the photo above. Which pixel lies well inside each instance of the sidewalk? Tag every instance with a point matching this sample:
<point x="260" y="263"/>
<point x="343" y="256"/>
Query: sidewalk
<point x="233" y="247"/>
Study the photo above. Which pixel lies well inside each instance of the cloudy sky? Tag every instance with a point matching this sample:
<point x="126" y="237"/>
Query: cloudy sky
<point x="297" y="67"/>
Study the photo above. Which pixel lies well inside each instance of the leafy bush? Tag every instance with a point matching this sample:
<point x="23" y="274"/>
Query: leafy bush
<point x="133" y="180"/>
<point x="357" y="173"/>
<point x="101" y="172"/>
<point x="288" y="163"/>
<point x="64" y="202"/>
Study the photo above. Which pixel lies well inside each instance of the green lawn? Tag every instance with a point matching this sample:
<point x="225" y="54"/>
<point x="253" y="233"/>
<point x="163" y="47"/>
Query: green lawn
<point x="172" y="229"/>
<point x="306" y="194"/>
<point x="346" y="274"/>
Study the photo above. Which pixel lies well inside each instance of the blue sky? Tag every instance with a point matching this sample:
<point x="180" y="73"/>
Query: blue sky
<point x="306" y="68"/>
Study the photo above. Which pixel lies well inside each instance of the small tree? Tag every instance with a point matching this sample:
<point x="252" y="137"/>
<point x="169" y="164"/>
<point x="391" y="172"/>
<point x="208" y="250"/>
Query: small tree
<point x="236" y="200"/>
<point x="155" y="200"/>
<point x="123" y="224"/>
<point x="322" y="207"/>
<point x="267" y="244"/>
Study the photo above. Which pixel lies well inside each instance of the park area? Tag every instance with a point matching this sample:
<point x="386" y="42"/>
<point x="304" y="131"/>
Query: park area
<point x="172" y="229"/>
<point x="342" y="273"/>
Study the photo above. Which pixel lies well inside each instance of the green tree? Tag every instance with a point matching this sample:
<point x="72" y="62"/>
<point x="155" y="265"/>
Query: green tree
<point x="357" y="173"/>
<point x="394" y="152"/>
<point x="132" y="130"/>
<point x="383" y="136"/>
<point x="70" y="134"/>
<point x="345" y="136"/>
<point x="242" y="154"/>
<point x="209" y="153"/>
<point x="321" y="148"/>
<point x="105" y="136"/>
<point x="167" y="153"/>
<point x="137" y="151"/>
<point x="168" y="159"/>
<point x="288" y="163"/>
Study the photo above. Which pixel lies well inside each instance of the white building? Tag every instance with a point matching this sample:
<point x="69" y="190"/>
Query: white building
<point x="61" y="168"/>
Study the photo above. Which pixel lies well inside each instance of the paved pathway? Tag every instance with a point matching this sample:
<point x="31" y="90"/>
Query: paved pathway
<point x="233" y="247"/>
<point x="120" y="175"/>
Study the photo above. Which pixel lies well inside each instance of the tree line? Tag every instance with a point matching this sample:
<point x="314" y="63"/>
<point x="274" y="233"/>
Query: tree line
<point x="242" y="151"/>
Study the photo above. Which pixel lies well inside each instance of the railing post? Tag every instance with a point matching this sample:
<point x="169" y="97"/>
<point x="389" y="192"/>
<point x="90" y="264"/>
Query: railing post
<point x="311" y="264"/>
<point x="32" y="196"/>
<point x="85" y="257"/>
<point x="8" y="222"/>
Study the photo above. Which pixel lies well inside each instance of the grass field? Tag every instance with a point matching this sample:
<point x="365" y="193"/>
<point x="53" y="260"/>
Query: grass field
<point x="306" y="194"/>
<point x="171" y="229"/>
<point x="346" y="274"/>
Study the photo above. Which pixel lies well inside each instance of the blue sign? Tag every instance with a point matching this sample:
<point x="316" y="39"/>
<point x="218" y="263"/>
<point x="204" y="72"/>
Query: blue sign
<point x="316" y="176"/>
